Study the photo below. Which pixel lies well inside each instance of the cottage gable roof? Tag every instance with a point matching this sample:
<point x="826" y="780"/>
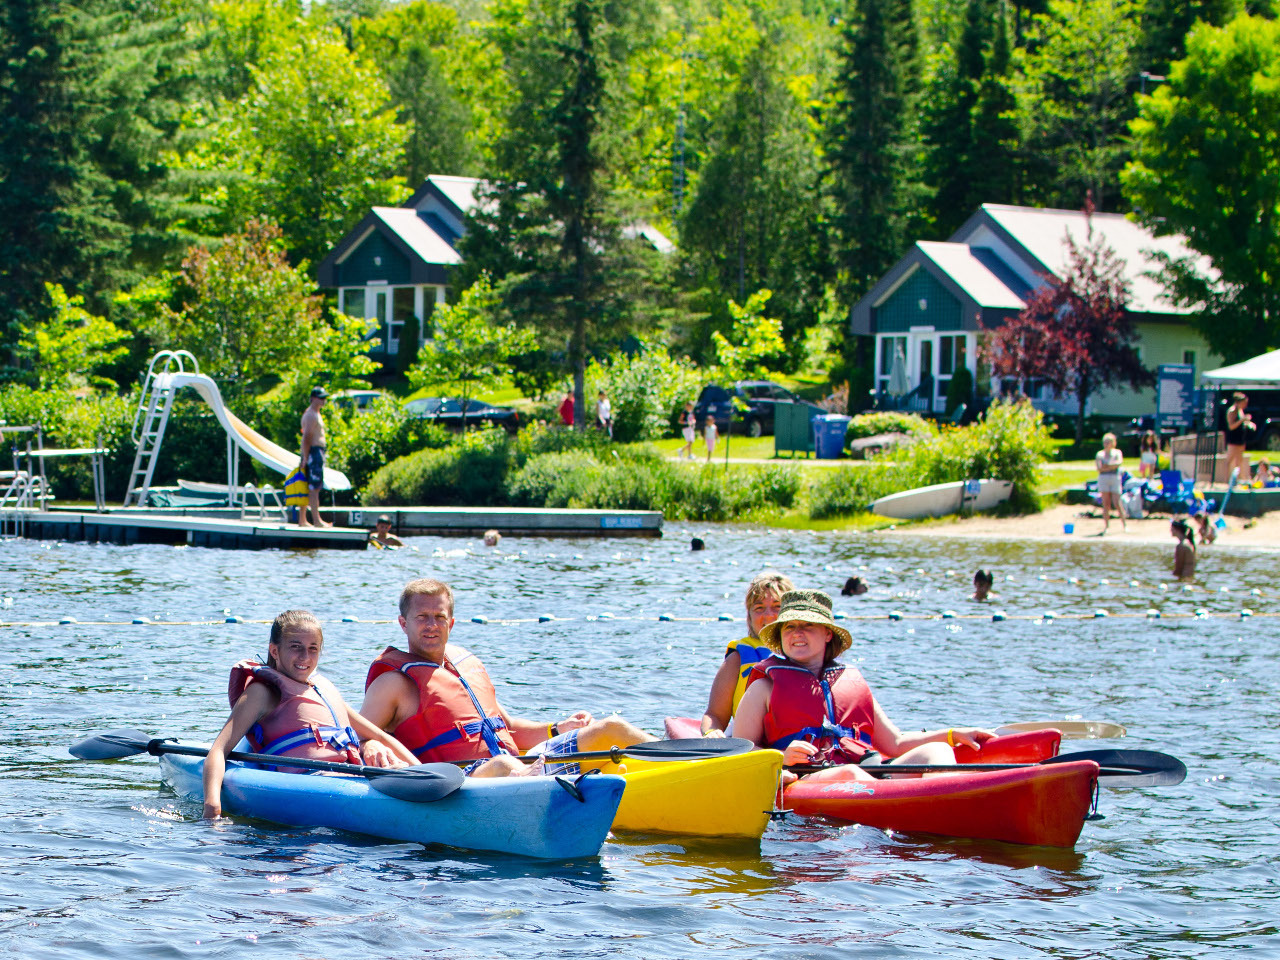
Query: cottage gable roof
<point x="973" y="274"/>
<point x="417" y="235"/>
<point x="1039" y="236"/>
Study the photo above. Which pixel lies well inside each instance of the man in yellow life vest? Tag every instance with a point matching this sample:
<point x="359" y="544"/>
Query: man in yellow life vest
<point x="437" y="700"/>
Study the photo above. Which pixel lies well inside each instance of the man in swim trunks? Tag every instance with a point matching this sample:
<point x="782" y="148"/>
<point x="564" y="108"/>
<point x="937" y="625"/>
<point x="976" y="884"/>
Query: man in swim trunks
<point x="438" y="701"/>
<point x="312" y="462"/>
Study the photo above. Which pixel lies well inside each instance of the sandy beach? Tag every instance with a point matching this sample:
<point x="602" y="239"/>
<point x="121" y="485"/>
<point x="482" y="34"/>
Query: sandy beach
<point x="1262" y="532"/>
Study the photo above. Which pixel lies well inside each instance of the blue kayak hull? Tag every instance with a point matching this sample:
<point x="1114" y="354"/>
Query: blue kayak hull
<point x="526" y="816"/>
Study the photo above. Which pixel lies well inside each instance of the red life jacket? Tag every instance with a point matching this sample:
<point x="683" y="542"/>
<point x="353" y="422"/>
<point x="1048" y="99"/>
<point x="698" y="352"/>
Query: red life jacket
<point x="309" y="721"/>
<point x="834" y="712"/>
<point x="458" y="716"/>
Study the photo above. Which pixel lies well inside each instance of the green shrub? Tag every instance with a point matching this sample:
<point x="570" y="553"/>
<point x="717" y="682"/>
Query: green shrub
<point x="539" y="438"/>
<point x="959" y="389"/>
<point x="645" y="389"/>
<point x="1009" y="442"/>
<point x="887" y="421"/>
<point x="472" y="472"/>
<point x="362" y="443"/>
<point x="551" y="479"/>
<point x="639" y="479"/>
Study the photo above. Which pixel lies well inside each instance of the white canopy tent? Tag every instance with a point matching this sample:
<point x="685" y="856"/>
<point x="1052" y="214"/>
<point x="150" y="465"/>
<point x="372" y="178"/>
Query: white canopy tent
<point x="1257" y="373"/>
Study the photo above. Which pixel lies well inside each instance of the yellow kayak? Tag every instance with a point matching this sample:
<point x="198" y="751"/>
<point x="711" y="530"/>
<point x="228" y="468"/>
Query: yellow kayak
<point x="717" y="797"/>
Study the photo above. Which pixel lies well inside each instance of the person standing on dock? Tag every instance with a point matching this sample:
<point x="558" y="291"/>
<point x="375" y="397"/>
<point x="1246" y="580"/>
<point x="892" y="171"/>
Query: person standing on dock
<point x="312" y="462"/>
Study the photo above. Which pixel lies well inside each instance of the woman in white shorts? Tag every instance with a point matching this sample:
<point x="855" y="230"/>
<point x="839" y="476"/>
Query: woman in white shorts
<point x="1108" y="462"/>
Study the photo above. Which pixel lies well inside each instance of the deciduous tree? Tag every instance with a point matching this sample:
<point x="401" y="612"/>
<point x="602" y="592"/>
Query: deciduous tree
<point x="1075" y="332"/>
<point x="1206" y="166"/>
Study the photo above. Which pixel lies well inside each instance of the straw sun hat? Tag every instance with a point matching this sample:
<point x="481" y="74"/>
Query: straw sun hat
<point x="808" y="606"/>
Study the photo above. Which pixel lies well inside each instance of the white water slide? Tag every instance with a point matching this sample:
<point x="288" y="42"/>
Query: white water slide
<point x="170" y="371"/>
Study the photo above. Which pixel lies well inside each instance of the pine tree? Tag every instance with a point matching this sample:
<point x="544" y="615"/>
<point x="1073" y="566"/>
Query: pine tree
<point x="994" y="168"/>
<point x="870" y="138"/>
<point x="951" y="156"/>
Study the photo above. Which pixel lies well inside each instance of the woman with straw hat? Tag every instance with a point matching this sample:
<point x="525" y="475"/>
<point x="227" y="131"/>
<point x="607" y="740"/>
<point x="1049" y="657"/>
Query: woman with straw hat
<point x="815" y="710"/>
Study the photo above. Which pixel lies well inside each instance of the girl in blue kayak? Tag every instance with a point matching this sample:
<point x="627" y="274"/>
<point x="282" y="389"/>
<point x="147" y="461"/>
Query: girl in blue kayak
<point x="286" y="709"/>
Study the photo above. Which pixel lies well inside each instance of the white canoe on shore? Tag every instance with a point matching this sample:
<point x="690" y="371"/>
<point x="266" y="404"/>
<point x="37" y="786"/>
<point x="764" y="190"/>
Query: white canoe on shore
<point x="941" y="499"/>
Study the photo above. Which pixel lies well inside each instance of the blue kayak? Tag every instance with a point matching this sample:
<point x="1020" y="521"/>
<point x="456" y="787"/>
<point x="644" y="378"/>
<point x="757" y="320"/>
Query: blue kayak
<point x="526" y="816"/>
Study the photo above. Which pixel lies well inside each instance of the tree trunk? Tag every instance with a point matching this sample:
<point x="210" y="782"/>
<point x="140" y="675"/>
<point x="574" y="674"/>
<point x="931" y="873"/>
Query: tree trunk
<point x="1082" y="397"/>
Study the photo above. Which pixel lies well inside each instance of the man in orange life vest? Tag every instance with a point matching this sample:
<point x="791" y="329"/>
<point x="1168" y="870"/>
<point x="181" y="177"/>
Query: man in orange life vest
<point x="438" y="700"/>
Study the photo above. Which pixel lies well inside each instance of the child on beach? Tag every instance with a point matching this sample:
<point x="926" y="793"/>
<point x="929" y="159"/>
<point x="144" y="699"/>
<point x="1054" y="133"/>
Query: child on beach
<point x="1149" y="456"/>
<point x="1184" y="554"/>
<point x="287" y="709"/>
<point x="688" y="429"/>
<point x="709" y="431"/>
<point x="1262" y="475"/>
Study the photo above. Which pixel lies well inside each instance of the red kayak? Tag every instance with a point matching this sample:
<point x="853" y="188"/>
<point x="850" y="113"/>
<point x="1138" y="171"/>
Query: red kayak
<point x="1035" y="805"/>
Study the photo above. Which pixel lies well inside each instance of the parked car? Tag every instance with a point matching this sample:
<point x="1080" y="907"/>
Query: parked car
<point x="447" y="411"/>
<point x="760" y="397"/>
<point x="357" y="400"/>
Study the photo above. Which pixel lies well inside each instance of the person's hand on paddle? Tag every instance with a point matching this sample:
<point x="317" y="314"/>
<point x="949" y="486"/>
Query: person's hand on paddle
<point x="713" y="732"/>
<point x="797" y="752"/>
<point x="376" y="754"/>
<point x="574" y="722"/>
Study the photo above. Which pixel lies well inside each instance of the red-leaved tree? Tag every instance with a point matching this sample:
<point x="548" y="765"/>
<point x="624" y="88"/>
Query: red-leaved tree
<point x="1075" y="333"/>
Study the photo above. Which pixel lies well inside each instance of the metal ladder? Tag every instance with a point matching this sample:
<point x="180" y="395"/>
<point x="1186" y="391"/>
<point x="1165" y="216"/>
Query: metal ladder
<point x="152" y="416"/>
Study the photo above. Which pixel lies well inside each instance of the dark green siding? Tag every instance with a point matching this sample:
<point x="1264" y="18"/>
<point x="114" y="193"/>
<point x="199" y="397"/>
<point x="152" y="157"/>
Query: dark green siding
<point x="358" y="269"/>
<point x="902" y="311"/>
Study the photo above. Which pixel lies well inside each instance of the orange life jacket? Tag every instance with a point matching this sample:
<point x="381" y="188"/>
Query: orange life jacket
<point x="310" y="720"/>
<point x="458" y="716"/>
<point x="834" y="712"/>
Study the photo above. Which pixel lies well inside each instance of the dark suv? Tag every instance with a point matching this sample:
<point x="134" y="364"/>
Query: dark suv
<point x="760" y="397"/>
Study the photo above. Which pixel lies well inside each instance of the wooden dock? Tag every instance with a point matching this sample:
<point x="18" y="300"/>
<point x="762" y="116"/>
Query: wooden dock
<point x="228" y="528"/>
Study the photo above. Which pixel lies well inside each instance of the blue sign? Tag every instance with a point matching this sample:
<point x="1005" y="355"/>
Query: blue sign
<point x="1175" y="395"/>
<point x="621" y="523"/>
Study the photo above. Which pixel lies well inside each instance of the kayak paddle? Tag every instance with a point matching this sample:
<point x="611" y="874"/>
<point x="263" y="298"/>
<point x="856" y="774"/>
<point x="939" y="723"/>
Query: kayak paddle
<point x="1070" y="729"/>
<point x="692" y="748"/>
<point x="419" y="784"/>
<point x="1122" y="768"/>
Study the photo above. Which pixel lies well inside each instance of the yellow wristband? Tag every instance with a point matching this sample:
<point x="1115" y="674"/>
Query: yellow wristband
<point x="549" y="728"/>
<point x="951" y="740"/>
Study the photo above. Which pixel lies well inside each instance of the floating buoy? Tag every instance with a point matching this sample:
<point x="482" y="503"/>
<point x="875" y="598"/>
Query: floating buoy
<point x="999" y="616"/>
<point x="1187" y="588"/>
<point x="895" y="614"/>
<point x="1255" y="592"/>
<point x="725" y="617"/>
<point x="140" y="620"/>
<point x="841" y="615"/>
<point x="1201" y="613"/>
<point x="1134" y="583"/>
<point x="544" y="618"/>
<point x="665" y="617"/>
<point x="233" y="620"/>
<point x="65" y="620"/>
<point x="1048" y="615"/>
<point x="1099" y="614"/>
<point x="606" y="616"/>
<point x="1042" y="577"/>
<point x="1246" y="612"/>
<point x="479" y="619"/>
<point x="1153" y="614"/>
<point x="1162" y="586"/>
<point x="1073" y="579"/>
<point x="948" y="614"/>
<point x="350" y="620"/>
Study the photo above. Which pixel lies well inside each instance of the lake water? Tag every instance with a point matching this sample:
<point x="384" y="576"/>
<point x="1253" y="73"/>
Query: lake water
<point x="97" y="860"/>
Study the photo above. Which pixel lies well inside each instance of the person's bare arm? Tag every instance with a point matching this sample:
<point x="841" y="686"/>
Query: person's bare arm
<point x="377" y="747"/>
<point x="390" y="700"/>
<point x="720" y="701"/>
<point x="253" y="704"/>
